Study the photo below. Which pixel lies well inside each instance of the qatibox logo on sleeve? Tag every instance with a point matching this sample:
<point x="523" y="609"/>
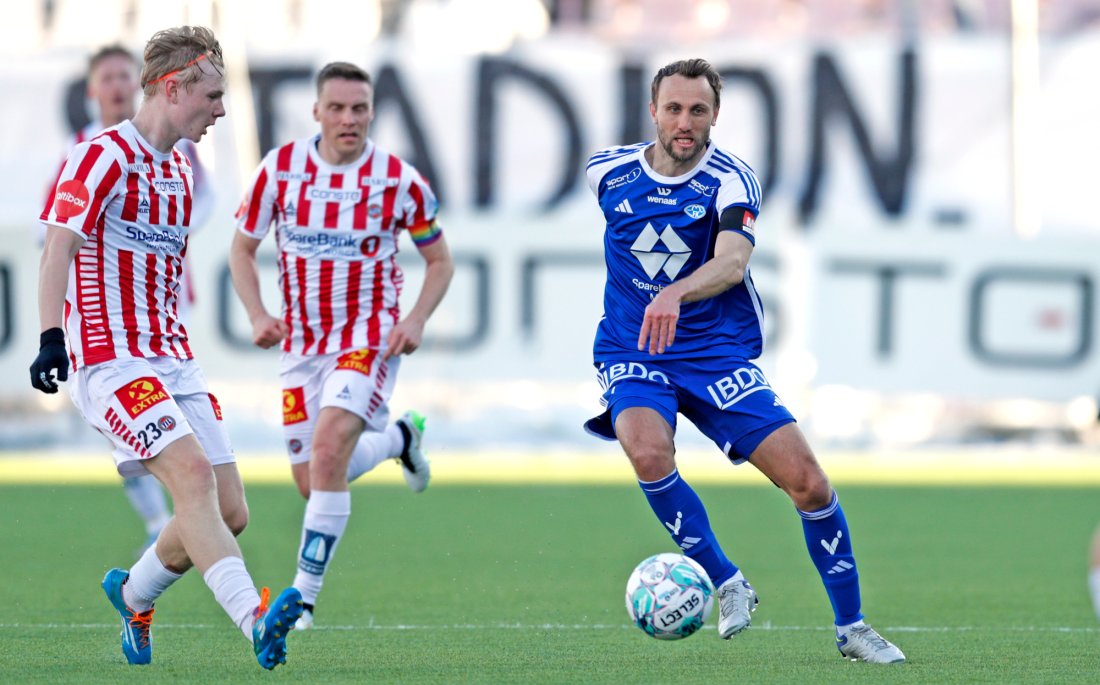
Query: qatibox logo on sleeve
<point x="138" y="395"/>
<point x="294" y="406"/>
<point x="71" y="199"/>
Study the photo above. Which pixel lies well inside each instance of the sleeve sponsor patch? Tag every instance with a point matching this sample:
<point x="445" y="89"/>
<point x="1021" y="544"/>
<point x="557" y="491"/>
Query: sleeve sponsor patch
<point x="139" y="395"/>
<point x="738" y="218"/>
<point x="71" y="199"/>
<point x="294" y="406"/>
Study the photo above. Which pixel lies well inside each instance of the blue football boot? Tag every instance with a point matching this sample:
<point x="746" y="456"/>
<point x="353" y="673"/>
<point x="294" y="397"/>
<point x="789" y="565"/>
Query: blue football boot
<point x="137" y="637"/>
<point x="272" y="625"/>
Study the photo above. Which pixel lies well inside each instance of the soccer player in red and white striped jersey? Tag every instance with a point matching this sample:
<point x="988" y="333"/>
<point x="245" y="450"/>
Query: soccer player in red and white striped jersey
<point x="117" y="227"/>
<point x="338" y="204"/>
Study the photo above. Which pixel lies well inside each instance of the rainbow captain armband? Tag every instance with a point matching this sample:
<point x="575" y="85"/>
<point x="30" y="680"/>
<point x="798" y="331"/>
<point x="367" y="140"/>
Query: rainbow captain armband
<point x="426" y="233"/>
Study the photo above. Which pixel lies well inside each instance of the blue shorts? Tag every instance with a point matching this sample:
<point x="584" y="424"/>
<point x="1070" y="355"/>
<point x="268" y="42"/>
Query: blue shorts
<point x="729" y="400"/>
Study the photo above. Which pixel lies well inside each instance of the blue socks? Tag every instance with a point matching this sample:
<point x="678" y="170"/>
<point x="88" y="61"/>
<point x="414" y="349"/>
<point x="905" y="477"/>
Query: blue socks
<point x="680" y="510"/>
<point x="830" y="547"/>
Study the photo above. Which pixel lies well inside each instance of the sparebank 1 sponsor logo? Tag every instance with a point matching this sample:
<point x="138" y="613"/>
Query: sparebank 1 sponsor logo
<point x="628" y="177"/>
<point x="162" y="241"/>
<point x="738" y="385"/>
<point x="613" y="373"/>
<point x="321" y="242"/>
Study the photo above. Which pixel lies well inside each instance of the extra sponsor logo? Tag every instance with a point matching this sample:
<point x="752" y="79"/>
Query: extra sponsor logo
<point x="71" y="199"/>
<point x="700" y="188"/>
<point x="738" y="385"/>
<point x="166" y="423"/>
<point x="379" y="182"/>
<point x="215" y="406"/>
<point x="139" y="168"/>
<point x="357" y="360"/>
<point x="334" y="195"/>
<point x="159" y="240"/>
<point x="302" y="176"/>
<point x="611" y="374"/>
<point x="138" y="395"/>
<point x="695" y="211"/>
<point x="294" y="406"/>
<point x="169" y="186"/>
<point x="628" y="177"/>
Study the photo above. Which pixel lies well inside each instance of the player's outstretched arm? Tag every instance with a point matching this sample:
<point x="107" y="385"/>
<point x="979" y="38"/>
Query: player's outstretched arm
<point x="717" y="275"/>
<point x="267" y="330"/>
<point x="406" y="336"/>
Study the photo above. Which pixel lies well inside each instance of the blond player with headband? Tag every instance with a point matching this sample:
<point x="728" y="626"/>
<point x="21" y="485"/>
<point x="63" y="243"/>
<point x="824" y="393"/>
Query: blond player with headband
<point x="117" y="227"/>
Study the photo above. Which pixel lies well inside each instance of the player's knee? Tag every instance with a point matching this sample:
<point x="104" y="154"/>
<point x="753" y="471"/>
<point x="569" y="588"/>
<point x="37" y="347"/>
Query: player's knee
<point x="191" y="475"/>
<point x="652" y="463"/>
<point x="812" y="491"/>
<point x="236" y="519"/>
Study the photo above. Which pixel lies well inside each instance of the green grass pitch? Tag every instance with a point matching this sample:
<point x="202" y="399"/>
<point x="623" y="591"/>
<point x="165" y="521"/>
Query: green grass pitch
<point x="524" y="584"/>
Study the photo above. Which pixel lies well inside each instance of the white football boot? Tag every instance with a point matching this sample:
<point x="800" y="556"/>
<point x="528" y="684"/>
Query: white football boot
<point x="736" y="602"/>
<point x="305" y="621"/>
<point x="414" y="465"/>
<point x="862" y="642"/>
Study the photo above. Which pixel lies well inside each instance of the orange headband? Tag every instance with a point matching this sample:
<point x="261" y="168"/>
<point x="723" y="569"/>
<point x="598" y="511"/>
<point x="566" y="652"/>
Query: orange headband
<point x="173" y="73"/>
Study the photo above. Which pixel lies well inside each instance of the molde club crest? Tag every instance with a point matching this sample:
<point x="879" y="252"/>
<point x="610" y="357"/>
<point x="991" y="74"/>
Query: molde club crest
<point x="140" y="394"/>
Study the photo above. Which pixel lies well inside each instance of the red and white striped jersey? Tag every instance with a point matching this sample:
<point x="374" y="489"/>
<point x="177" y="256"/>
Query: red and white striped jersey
<point x="336" y="229"/>
<point x="132" y="204"/>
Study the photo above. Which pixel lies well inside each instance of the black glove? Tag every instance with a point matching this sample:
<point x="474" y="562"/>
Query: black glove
<point x="51" y="355"/>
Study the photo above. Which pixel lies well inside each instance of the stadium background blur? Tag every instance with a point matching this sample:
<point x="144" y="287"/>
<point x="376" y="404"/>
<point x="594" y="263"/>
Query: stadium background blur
<point x="927" y="252"/>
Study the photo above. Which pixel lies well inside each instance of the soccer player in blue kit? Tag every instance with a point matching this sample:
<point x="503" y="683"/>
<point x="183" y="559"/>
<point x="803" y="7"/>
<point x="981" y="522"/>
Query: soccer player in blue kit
<point x="681" y="323"/>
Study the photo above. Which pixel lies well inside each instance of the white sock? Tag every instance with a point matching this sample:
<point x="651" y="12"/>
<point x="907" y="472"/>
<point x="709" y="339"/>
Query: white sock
<point x="374" y="448"/>
<point x="326" y="518"/>
<point x="148" y="580"/>
<point x="1094" y="587"/>
<point x="235" y="591"/>
<point x="147" y="498"/>
<point x="841" y="631"/>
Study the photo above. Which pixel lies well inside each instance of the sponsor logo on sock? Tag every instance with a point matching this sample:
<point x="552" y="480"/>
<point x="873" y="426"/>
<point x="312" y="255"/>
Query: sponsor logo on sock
<point x="675" y="529"/>
<point x="316" y="552"/>
<point x="689" y="542"/>
<point x="831" y="548"/>
<point x="841" y="567"/>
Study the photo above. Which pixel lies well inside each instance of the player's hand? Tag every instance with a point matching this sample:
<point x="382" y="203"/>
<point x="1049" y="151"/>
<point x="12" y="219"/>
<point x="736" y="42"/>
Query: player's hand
<point x="267" y="331"/>
<point x="404" y="338"/>
<point x="51" y="357"/>
<point x="659" y="323"/>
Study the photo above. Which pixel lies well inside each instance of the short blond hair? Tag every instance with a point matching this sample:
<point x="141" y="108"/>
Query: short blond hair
<point x="176" y="50"/>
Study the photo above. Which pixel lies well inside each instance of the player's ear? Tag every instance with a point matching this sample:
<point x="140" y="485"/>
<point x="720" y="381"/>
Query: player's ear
<point x="316" y="111"/>
<point x="653" y="111"/>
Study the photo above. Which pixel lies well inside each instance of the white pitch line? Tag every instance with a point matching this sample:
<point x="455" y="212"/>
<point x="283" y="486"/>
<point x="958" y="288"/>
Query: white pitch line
<point x="572" y="626"/>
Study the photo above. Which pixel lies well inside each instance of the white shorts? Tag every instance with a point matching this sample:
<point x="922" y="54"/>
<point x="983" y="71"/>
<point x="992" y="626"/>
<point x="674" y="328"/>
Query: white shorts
<point x="357" y="381"/>
<point x="144" y="405"/>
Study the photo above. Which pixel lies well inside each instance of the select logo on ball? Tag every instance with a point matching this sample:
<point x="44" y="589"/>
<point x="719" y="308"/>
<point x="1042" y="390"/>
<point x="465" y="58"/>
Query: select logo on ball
<point x="71" y="199"/>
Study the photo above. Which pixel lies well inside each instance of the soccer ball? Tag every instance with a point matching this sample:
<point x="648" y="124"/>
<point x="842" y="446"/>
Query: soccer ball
<point x="669" y="596"/>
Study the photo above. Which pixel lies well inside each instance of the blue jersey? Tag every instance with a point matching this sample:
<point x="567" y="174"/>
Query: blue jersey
<point x="661" y="229"/>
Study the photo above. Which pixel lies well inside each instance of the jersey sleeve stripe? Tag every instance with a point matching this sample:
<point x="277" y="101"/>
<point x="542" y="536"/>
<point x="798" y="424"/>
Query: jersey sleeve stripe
<point x="94" y="217"/>
<point x="252" y="222"/>
<point x="129" y="209"/>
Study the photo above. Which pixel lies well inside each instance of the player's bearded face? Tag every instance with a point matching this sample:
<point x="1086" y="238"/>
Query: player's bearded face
<point x="684" y="113"/>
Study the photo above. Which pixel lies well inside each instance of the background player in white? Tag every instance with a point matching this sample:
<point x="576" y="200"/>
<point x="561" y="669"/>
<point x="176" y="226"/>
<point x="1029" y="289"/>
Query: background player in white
<point x="113" y="87"/>
<point x="339" y="203"/>
<point x="117" y="230"/>
<point x="682" y="322"/>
